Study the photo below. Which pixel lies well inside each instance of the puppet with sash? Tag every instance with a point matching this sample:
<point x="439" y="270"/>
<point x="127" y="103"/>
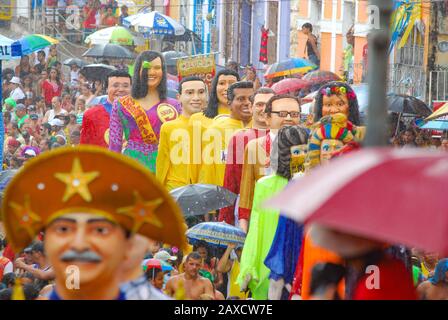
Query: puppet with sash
<point x="140" y="115"/>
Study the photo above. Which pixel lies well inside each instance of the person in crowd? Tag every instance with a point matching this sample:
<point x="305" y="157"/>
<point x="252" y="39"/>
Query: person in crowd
<point x="52" y="87"/>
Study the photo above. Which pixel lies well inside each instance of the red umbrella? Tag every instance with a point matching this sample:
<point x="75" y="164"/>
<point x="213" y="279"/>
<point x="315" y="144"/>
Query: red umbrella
<point x="320" y="77"/>
<point x="153" y="263"/>
<point x="290" y="85"/>
<point x="396" y="196"/>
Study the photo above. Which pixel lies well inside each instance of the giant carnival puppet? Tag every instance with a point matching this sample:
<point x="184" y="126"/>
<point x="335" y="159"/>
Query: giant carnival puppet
<point x="89" y="216"/>
<point x="96" y="120"/>
<point x="287" y="160"/>
<point x="217" y="106"/>
<point x="140" y="115"/>
<point x="337" y="128"/>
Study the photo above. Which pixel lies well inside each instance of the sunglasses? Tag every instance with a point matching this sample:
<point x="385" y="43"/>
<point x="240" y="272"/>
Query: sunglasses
<point x="284" y="114"/>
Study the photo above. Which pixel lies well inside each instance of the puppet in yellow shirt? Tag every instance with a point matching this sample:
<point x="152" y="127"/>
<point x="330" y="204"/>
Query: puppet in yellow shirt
<point x="200" y="121"/>
<point x="174" y="156"/>
<point x="216" y="138"/>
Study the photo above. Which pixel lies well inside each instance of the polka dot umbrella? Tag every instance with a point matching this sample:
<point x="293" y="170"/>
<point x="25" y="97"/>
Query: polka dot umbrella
<point x="199" y="199"/>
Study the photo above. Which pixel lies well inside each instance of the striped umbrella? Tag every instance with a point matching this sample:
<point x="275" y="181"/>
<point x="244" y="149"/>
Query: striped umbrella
<point x="34" y="42"/>
<point x="289" y="67"/>
<point x="216" y="233"/>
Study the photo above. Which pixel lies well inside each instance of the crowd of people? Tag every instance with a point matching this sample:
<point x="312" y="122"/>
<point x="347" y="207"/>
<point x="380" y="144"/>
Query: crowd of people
<point x="236" y="134"/>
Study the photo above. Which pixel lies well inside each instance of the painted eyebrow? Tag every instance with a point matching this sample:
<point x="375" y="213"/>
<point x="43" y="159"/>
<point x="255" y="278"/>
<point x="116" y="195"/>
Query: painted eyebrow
<point x="93" y="220"/>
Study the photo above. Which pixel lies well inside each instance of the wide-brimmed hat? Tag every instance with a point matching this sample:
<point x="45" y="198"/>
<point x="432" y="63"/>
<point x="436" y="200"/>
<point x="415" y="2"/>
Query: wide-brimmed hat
<point x="79" y="180"/>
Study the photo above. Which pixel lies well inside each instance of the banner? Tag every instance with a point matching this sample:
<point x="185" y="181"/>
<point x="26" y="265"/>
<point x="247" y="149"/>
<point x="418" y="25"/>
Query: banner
<point x="203" y="66"/>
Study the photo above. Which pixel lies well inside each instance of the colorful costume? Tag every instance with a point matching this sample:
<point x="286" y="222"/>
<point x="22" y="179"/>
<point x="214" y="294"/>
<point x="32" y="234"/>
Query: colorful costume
<point x="263" y="223"/>
<point x="95" y="124"/>
<point x="141" y="128"/>
<point x="234" y="167"/>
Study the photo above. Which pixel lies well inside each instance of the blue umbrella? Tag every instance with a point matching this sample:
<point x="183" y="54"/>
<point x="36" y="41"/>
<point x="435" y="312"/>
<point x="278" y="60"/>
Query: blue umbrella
<point x="216" y="233"/>
<point x="436" y="125"/>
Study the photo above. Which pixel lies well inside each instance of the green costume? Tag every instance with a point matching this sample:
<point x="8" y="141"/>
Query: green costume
<point x="262" y="228"/>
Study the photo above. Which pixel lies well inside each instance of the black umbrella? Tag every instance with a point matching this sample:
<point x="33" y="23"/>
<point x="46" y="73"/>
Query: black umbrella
<point x="199" y="199"/>
<point x="5" y="178"/>
<point x="97" y="71"/>
<point x="113" y="51"/>
<point x="401" y="103"/>
<point x="80" y="63"/>
<point x="171" y="57"/>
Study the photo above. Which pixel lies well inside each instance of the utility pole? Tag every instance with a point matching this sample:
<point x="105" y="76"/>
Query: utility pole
<point x="377" y="124"/>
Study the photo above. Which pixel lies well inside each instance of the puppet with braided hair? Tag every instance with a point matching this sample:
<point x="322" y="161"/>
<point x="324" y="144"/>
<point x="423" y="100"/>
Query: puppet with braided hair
<point x="288" y="148"/>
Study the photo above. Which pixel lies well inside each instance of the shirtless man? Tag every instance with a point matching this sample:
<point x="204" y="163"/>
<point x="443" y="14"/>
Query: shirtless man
<point x="194" y="284"/>
<point x="436" y="287"/>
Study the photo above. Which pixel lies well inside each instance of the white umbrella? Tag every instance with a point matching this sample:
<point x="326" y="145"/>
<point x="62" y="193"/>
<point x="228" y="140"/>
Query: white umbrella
<point x="154" y="23"/>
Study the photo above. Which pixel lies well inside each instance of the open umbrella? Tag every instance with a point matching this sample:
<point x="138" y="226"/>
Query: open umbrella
<point x="70" y="61"/>
<point x="113" y="51"/>
<point x="154" y="23"/>
<point x="401" y="103"/>
<point x="436" y="125"/>
<point x="115" y="35"/>
<point x="156" y="263"/>
<point x="96" y="71"/>
<point x="34" y="42"/>
<point x="320" y="77"/>
<point x="5" y="178"/>
<point x="289" y="67"/>
<point x="442" y="111"/>
<point x="171" y="57"/>
<point x="216" y="233"/>
<point x="385" y="194"/>
<point x="289" y="85"/>
<point x="199" y="199"/>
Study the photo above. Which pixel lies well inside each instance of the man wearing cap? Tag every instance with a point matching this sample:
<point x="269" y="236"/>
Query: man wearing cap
<point x="89" y="216"/>
<point x="17" y="93"/>
<point x="20" y="115"/>
<point x="95" y="122"/>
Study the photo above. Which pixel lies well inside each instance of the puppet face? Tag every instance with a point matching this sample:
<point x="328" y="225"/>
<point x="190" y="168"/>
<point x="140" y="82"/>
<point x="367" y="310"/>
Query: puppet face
<point x="224" y="83"/>
<point x="94" y="245"/>
<point x="335" y="103"/>
<point x="155" y="73"/>
<point x="327" y="148"/>
<point x="298" y="156"/>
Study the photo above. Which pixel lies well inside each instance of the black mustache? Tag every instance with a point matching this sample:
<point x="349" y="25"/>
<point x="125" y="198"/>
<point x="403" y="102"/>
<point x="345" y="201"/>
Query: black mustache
<point x="85" y="256"/>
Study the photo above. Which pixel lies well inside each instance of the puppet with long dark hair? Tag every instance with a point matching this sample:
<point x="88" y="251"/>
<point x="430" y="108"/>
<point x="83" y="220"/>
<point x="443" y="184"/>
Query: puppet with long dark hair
<point x="287" y="159"/>
<point x="217" y="105"/>
<point x="140" y="115"/>
<point x="337" y="97"/>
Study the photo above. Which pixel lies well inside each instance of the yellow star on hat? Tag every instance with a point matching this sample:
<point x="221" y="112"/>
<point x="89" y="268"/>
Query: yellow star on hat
<point x="27" y="218"/>
<point x="77" y="181"/>
<point x="142" y="212"/>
